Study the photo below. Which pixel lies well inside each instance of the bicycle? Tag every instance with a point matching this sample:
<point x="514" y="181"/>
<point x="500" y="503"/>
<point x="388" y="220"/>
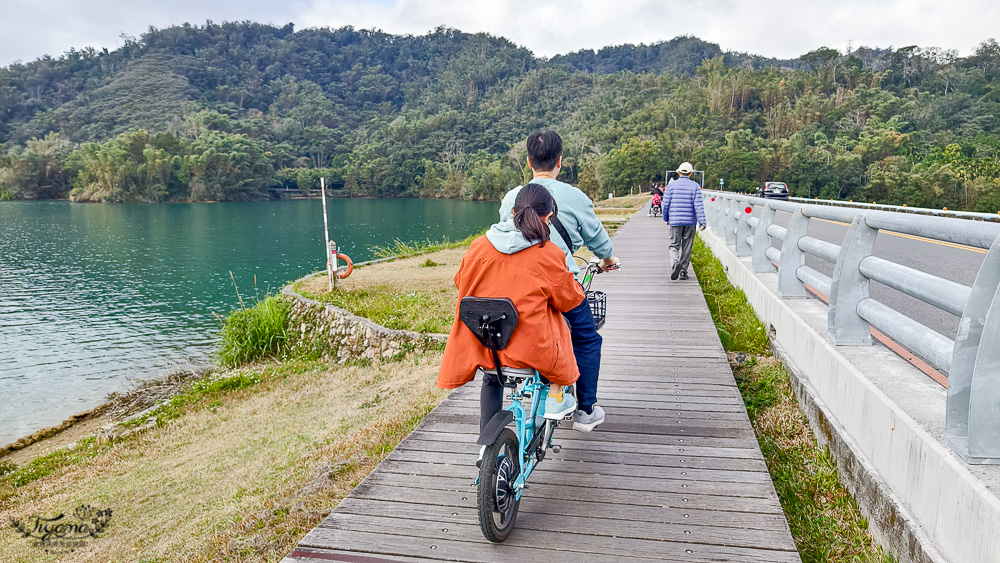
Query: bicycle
<point x="511" y="455"/>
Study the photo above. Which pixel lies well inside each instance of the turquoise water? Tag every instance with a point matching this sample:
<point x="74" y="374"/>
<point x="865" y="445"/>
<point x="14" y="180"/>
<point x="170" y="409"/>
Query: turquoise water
<point x="92" y="296"/>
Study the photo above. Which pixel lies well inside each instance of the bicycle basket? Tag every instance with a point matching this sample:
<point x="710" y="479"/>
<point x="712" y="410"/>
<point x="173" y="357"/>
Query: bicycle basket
<point x="598" y="301"/>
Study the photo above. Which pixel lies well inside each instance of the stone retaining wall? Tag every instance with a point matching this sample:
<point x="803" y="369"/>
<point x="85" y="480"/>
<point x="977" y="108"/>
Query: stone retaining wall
<point x="349" y="337"/>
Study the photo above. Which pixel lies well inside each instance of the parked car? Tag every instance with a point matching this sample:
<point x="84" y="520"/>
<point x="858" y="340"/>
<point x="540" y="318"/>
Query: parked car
<point x="774" y="190"/>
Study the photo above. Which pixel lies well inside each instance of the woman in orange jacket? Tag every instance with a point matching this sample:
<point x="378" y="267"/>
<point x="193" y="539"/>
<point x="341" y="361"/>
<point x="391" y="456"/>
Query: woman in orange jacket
<point x="533" y="275"/>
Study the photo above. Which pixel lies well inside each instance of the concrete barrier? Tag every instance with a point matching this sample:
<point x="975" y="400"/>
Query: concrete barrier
<point x="884" y="423"/>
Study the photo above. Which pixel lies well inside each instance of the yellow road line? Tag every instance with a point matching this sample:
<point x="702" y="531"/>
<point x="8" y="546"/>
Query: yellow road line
<point x="914" y="237"/>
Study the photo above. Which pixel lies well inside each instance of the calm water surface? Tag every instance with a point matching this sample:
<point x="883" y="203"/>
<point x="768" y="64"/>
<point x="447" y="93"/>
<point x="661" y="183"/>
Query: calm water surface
<point x="92" y="296"/>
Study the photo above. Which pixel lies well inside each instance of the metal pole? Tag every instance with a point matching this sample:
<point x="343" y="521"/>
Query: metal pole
<point x="326" y="238"/>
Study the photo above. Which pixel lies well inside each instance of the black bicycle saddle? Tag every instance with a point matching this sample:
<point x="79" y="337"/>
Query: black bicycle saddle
<point x="497" y="313"/>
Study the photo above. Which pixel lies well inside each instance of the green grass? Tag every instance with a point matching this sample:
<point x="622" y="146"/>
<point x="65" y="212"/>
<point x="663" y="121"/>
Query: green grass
<point x="47" y="464"/>
<point x="739" y="329"/>
<point x="251" y="334"/>
<point x="410" y="310"/>
<point x="403" y="249"/>
<point x="824" y="520"/>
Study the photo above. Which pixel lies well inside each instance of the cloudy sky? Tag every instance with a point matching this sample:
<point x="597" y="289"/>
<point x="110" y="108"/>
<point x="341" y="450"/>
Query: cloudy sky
<point x="776" y="28"/>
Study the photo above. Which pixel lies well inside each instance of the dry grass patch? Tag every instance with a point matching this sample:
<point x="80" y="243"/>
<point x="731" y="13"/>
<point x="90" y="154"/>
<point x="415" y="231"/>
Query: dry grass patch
<point x="241" y="476"/>
<point x="416" y="293"/>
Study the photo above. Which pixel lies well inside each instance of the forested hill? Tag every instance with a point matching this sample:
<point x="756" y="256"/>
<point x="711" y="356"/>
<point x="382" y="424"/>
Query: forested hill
<point x="681" y="55"/>
<point x="226" y="112"/>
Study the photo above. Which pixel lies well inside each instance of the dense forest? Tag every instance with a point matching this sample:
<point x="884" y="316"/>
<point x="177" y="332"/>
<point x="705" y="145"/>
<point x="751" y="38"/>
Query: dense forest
<point x="230" y="111"/>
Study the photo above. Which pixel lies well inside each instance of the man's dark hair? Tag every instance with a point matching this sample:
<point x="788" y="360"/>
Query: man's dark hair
<point x="544" y="149"/>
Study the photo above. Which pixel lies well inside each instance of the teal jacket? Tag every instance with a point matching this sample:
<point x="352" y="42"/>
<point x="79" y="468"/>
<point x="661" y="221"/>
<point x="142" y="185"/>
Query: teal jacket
<point x="576" y="213"/>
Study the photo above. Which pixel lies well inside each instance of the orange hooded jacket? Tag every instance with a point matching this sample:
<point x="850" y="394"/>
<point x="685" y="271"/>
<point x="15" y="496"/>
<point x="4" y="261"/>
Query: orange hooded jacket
<point x="537" y="281"/>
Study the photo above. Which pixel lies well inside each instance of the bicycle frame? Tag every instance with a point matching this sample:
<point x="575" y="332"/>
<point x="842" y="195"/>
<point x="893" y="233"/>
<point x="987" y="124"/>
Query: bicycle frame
<point x="528" y="435"/>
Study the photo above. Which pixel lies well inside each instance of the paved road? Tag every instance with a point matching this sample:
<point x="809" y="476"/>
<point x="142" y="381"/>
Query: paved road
<point x="950" y="261"/>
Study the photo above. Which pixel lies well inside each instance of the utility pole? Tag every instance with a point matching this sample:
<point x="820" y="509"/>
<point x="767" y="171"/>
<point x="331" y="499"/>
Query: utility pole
<point x="331" y="255"/>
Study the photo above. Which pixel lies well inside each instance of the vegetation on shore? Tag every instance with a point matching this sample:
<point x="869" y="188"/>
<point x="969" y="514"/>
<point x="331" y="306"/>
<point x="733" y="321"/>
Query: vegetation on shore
<point x="251" y="334"/>
<point x="824" y="519"/>
<point x="228" y="111"/>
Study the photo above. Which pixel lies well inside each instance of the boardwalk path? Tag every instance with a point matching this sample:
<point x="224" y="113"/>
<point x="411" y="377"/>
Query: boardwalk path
<point x="674" y="474"/>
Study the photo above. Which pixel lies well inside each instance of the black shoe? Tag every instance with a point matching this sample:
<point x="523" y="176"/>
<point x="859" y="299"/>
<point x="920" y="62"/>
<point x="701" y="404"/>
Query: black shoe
<point x="676" y="272"/>
<point x="684" y="275"/>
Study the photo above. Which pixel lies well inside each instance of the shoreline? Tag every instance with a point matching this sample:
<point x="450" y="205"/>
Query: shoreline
<point x="114" y="410"/>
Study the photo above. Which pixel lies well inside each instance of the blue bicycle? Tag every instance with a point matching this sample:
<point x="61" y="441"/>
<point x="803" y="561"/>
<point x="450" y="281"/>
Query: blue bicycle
<point x="511" y="455"/>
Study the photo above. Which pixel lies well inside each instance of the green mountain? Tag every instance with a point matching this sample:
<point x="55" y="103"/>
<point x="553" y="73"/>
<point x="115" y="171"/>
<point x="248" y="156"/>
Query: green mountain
<point x="230" y="111"/>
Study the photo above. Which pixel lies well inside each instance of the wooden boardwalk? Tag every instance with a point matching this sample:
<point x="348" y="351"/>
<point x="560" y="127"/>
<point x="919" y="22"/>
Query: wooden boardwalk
<point x="674" y="474"/>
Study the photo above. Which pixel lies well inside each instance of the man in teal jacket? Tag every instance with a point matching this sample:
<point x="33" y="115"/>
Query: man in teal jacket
<point x="576" y="214"/>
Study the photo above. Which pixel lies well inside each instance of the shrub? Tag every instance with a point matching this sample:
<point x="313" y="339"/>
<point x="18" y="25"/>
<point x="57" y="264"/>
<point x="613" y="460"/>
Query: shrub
<point x="251" y="334"/>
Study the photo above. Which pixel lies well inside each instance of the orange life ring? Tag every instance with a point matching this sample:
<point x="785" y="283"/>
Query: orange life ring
<point x="350" y="266"/>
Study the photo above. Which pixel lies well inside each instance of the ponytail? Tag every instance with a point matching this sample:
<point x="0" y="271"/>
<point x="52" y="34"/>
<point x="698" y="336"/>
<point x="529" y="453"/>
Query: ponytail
<point x="531" y="204"/>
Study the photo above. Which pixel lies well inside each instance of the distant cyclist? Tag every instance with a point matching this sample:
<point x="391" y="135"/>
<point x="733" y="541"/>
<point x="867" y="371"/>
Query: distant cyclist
<point x="577" y="225"/>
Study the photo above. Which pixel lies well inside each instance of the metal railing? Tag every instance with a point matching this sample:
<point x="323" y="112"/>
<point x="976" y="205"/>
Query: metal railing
<point x="971" y="359"/>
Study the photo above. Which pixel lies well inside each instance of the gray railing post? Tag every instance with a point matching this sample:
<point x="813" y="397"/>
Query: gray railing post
<point x="742" y="228"/>
<point x="731" y="221"/>
<point x="972" y="419"/>
<point x="850" y="286"/>
<point x="710" y="208"/>
<point x="761" y="241"/>
<point x="789" y="285"/>
<point x="720" y="215"/>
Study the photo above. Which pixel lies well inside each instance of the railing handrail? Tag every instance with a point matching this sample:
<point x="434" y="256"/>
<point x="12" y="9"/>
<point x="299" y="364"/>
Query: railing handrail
<point x="973" y="427"/>
<point x="943" y="212"/>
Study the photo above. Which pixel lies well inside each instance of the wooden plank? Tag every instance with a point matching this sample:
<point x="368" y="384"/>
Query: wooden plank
<point x="466" y="498"/>
<point x="577" y="439"/>
<point x="554" y="519"/>
<point x="590" y="487"/>
<point x="414" y="538"/>
<point x="458" y="481"/>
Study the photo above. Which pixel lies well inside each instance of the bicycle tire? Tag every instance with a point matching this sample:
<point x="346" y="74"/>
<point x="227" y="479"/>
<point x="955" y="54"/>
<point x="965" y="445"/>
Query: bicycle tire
<point x="496" y="498"/>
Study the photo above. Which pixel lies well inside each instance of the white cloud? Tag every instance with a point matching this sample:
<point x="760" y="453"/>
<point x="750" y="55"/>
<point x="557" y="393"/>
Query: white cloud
<point x="776" y="28"/>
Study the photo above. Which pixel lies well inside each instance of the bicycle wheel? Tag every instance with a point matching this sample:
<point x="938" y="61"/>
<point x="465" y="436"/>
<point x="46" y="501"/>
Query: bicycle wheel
<point x="496" y="497"/>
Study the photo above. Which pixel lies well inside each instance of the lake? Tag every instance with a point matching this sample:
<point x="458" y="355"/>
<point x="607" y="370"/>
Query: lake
<point x="95" y="296"/>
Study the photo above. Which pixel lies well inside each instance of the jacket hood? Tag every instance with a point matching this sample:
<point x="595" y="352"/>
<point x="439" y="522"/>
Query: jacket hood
<point x="505" y="237"/>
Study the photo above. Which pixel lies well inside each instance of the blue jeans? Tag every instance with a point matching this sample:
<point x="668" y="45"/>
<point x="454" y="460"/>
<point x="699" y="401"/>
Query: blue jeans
<point x="587" y="349"/>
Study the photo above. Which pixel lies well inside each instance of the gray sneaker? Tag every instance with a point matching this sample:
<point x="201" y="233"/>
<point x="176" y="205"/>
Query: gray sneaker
<point x="584" y="422"/>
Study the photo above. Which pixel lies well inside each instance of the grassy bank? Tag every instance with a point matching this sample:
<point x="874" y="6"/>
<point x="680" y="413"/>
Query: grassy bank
<point x="238" y="465"/>
<point x="824" y="519"/>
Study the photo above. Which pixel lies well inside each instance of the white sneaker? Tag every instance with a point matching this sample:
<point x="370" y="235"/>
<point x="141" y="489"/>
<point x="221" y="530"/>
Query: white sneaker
<point x="584" y="422"/>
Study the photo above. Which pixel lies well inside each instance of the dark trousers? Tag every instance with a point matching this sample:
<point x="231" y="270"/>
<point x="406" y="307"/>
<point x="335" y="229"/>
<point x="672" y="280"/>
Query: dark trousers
<point x="681" y="243"/>
<point x="586" y="348"/>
